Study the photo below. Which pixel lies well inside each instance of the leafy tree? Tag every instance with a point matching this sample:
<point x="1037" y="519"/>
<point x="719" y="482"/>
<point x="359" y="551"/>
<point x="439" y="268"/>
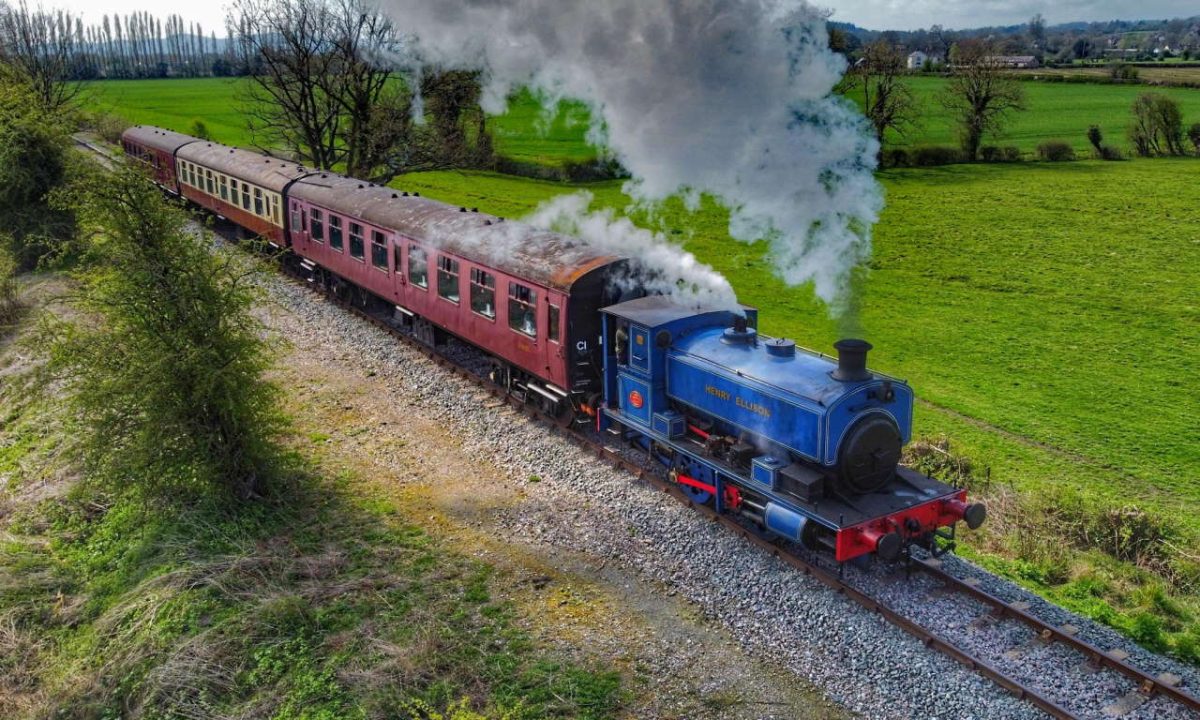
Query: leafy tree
<point x="1083" y="48"/>
<point x="167" y="380"/>
<point x="1096" y="138"/>
<point x="33" y="161"/>
<point x="1157" y="125"/>
<point x="878" y="80"/>
<point x="980" y="94"/>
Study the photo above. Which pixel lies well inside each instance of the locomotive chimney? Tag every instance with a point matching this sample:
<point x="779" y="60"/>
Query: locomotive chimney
<point x="852" y="360"/>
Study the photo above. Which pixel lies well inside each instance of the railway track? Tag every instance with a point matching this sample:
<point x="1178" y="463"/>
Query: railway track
<point x="1133" y="696"/>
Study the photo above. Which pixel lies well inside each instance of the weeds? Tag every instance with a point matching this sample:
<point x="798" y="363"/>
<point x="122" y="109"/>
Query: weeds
<point x="1121" y="565"/>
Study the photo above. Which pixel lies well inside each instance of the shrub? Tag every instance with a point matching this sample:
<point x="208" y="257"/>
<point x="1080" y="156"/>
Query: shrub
<point x="994" y="154"/>
<point x="1193" y="134"/>
<point x="106" y="125"/>
<point x="1122" y="71"/>
<point x="896" y="157"/>
<point x="932" y="155"/>
<point x="1157" y="125"/>
<point x="200" y="130"/>
<point x="1108" y="152"/>
<point x="8" y="287"/>
<point x="1096" y="138"/>
<point x="168" y="388"/>
<point x="1055" y="151"/>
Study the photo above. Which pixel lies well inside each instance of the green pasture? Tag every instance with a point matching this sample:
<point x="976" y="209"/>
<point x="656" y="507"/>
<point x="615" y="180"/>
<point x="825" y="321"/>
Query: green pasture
<point x="524" y="133"/>
<point x="1054" y="111"/>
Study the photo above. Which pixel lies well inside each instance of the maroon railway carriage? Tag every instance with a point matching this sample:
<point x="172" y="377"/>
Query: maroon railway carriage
<point x="243" y="186"/>
<point x="529" y="298"/>
<point x="155" y="148"/>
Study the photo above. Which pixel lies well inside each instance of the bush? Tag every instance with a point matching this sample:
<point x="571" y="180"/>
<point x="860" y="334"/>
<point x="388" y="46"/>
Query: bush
<point x="1194" y="136"/>
<point x="168" y="387"/>
<point x="1108" y="152"/>
<point x="1096" y="138"/>
<point x="896" y="157"/>
<point x="1157" y="125"/>
<point x="993" y="154"/>
<point x="200" y="130"/>
<point x="106" y="125"/>
<point x="1055" y="151"/>
<point x="1122" y="71"/>
<point x="933" y="155"/>
<point x="8" y="287"/>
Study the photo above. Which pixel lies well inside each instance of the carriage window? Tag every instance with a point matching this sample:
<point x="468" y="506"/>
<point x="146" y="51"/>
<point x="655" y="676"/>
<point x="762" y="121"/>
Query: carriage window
<point x="356" y="241"/>
<point x="399" y="259"/>
<point x="522" y="309"/>
<point x="275" y="209"/>
<point x="318" y="226"/>
<point x="483" y="293"/>
<point x="418" y="267"/>
<point x="245" y="196"/>
<point x="552" y="322"/>
<point x="258" y="203"/>
<point x="379" y="253"/>
<point x="297" y="218"/>
<point x="224" y="188"/>
<point x="209" y="182"/>
<point x="335" y="232"/>
<point x="448" y="278"/>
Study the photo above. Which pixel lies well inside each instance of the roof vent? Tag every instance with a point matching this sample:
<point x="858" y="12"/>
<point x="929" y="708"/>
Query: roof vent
<point x="394" y="196"/>
<point x="405" y="193"/>
<point x="360" y="186"/>
<point x="474" y="210"/>
<point x="782" y="348"/>
<point x="416" y="194"/>
<point x="852" y="360"/>
<point x="487" y="222"/>
<point x="323" y="175"/>
<point x="462" y="209"/>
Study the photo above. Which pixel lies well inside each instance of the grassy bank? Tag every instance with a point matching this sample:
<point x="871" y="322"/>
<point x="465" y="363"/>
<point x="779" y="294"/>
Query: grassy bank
<point x="324" y="603"/>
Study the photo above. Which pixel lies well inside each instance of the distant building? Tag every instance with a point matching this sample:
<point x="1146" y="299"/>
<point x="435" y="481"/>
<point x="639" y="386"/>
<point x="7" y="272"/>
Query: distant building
<point x="1017" y="62"/>
<point x="917" y="60"/>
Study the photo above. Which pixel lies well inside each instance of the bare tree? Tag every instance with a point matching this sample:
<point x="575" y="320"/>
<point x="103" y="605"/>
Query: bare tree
<point x="1157" y="126"/>
<point x="33" y="42"/>
<point x="878" y="80"/>
<point x="980" y="94"/>
<point x="326" y="83"/>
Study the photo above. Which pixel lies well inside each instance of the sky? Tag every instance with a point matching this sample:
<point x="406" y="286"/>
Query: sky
<point x="873" y="14"/>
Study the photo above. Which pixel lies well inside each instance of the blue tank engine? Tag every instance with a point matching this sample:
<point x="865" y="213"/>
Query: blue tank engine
<point x="806" y="445"/>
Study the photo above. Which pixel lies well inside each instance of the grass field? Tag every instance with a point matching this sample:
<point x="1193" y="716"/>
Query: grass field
<point x="1164" y="73"/>
<point x="1055" y="110"/>
<point x="1046" y="314"/>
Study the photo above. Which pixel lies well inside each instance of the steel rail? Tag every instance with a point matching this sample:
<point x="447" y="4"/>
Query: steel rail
<point x="1147" y="684"/>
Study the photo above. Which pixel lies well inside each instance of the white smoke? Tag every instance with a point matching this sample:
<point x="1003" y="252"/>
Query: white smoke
<point x="724" y="97"/>
<point x="660" y="267"/>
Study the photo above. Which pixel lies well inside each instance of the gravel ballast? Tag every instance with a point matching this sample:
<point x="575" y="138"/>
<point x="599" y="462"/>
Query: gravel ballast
<point x="573" y="501"/>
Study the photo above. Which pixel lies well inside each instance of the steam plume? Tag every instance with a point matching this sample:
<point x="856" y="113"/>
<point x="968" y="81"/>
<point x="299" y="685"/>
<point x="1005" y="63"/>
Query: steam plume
<point x="724" y="97"/>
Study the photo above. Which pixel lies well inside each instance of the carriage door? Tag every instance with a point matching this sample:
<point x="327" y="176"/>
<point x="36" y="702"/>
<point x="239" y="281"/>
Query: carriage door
<point x="298" y="225"/>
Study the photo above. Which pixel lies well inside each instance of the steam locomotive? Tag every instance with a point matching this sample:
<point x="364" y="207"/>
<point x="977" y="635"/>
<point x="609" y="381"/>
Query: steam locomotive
<point x="806" y="447"/>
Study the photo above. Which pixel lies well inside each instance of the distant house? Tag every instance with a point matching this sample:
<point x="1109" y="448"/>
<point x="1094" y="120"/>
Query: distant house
<point x="917" y="60"/>
<point x="1016" y="62"/>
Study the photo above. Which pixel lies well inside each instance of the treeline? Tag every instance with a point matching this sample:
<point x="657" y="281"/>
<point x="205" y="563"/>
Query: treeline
<point x="1141" y="40"/>
<point x="137" y="45"/>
